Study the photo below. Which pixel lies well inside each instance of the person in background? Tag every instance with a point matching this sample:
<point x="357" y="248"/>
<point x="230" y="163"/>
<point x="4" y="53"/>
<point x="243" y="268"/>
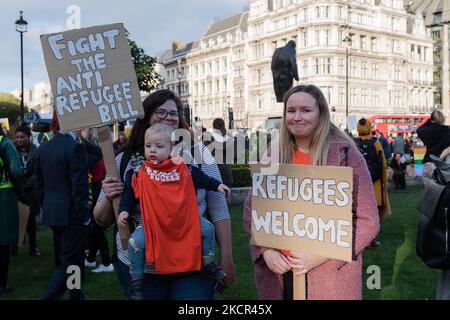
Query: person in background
<point x="384" y="144"/>
<point x="398" y="145"/>
<point x="27" y="151"/>
<point x="96" y="241"/>
<point x="61" y="184"/>
<point x="372" y="152"/>
<point x="436" y="137"/>
<point x="223" y="150"/>
<point x="122" y="139"/>
<point x="399" y="170"/>
<point x="9" y="218"/>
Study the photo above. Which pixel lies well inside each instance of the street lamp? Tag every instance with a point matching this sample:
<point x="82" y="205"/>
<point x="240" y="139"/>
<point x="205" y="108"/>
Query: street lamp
<point x="348" y="42"/>
<point x="21" y="27"/>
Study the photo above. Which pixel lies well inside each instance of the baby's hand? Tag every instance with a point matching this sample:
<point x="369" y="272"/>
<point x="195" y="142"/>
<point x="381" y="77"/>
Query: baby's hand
<point x="122" y="218"/>
<point x="224" y="189"/>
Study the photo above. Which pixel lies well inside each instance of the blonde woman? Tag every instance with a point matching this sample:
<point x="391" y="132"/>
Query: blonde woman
<point x="308" y="137"/>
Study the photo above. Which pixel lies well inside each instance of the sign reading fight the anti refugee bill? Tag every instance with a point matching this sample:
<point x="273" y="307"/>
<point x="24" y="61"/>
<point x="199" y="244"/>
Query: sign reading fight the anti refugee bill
<point x="92" y="76"/>
<point x="304" y="208"/>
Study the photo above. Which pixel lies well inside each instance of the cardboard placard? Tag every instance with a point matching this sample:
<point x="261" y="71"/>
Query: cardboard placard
<point x="304" y="208"/>
<point x="92" y="76"/>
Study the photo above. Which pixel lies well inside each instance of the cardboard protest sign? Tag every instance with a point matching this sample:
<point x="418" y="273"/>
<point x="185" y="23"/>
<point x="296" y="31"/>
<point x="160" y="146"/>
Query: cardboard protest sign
<point x="304" y="208"/>
<point x="92" y="76"/>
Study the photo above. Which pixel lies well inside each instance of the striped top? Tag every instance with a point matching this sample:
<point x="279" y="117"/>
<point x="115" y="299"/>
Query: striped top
<point x="214" y="201"/>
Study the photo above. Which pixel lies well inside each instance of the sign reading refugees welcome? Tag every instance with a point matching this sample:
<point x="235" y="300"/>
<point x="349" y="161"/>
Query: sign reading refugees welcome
<point x="92" y="76"/>
<point x="304" y="208"/>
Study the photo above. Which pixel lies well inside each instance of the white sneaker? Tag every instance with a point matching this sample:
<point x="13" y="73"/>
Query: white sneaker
<point x="102" y="268"/>
<point x="90" y="264"/>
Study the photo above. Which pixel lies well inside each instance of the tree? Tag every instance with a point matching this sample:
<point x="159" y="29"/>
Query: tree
<point x="10" y="108"/>
<point x="144" y="65"/>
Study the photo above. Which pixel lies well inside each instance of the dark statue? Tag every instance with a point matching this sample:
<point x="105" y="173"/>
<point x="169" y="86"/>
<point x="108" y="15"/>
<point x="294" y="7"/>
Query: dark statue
<point x="284" y="69"/>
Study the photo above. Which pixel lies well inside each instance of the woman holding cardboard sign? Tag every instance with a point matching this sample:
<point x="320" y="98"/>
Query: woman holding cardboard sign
<point x="165" y="107"/>
<point x="308" y="137"/>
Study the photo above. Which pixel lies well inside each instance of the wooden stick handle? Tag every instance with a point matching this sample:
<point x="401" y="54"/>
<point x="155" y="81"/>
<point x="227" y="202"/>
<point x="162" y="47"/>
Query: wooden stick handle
<point x="106" y="143"/>
<point x="299" y="287"/>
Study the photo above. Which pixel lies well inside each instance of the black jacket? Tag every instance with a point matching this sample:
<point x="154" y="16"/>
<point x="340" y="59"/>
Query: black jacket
<point x="436" y="138"/>
<point x="61" y="181"/>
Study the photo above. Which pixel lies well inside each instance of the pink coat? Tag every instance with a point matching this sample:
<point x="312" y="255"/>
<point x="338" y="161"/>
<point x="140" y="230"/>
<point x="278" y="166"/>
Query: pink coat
<point x="334" y="279"/>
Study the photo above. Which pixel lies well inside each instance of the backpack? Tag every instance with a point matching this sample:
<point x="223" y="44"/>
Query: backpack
<point x="433" y="245"/>
<point x="373" y="159"/>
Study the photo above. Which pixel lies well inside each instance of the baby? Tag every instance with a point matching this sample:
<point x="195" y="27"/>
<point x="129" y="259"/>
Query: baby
<point x="162" y="187"/>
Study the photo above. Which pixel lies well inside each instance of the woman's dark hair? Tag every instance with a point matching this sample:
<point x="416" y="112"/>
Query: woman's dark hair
<point x="25" y="130"/>
<point x="54" y="126"/>
<point x="362" y="122"/>
<point x="219" y="124"/>
<point x="135" y="142"/>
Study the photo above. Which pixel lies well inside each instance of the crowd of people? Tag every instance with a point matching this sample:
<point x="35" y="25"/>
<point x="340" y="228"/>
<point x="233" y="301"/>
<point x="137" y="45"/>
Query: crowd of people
<point x="170" y="253"/>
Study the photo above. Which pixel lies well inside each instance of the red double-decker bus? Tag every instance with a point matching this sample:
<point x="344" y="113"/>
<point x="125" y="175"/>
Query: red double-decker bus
<point x="390" y="124"/>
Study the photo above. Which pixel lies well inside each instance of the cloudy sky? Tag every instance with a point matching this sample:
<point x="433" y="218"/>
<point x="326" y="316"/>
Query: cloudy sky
<point x="153" y="24"/>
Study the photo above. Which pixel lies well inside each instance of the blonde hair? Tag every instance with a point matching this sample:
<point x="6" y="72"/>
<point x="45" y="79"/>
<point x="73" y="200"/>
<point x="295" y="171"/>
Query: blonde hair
<point x="321" y="138"/>
<point x="437" y="117"/>
<point x="159" y="128"/>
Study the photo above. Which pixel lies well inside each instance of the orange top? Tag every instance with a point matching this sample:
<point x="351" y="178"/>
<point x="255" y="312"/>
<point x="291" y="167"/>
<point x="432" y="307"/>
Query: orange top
<point x="169" y="216"/>
<point x="298" y="158"/>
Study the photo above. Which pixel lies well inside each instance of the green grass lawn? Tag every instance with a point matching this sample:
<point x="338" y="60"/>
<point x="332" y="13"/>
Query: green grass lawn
<point x="403" y="275"/>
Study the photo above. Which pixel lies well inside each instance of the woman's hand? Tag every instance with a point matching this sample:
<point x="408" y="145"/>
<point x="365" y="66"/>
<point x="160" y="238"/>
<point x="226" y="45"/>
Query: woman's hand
<point x="227" y="266"/>
<point x="302" y="263"/>
<point x="112" y="187"/>
<point x="276" y="261"/>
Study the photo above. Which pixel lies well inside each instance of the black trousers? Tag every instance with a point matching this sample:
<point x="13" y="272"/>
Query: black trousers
<point x="69" y="245"/>
<point x="98" y="242"/>
<point x="399" y="179"/>
<point x="4" y="264"/>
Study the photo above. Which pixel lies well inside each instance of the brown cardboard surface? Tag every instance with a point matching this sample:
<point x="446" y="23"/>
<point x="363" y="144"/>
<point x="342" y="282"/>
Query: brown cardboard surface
<point x="284" y="228"/>
<point x="88" y="63"/>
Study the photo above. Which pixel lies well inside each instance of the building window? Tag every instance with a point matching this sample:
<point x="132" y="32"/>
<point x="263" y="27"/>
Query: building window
<point x="374" y="70"/>
<point x="353" y="67"/>
<point x="316" y="66"/>
<point x="327" y="36"/>
<point x="353" y="96"/>
<point x="397" y="72"/>
<point x="373" y="44"/>
<point x="364" y="97"/>
<point x="374" y="98"/>
<point x="341" y="96"/>
<point x="317" y="37"/>
<point x="305" y="38"/>
<point x="327" y="67"/>
<point x="363" y="40"/>
<point x="341" y="67"/>
<point x="364" y="70"/>
<point x="305" y="68"/>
